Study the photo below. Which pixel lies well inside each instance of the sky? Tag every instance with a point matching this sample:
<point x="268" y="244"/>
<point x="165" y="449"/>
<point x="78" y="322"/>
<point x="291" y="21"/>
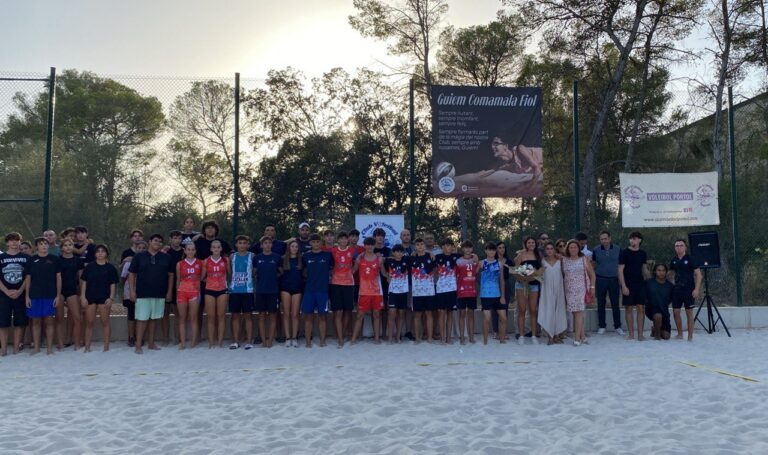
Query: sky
<point x="195" y="37"/>
<point x="203" y="38"/>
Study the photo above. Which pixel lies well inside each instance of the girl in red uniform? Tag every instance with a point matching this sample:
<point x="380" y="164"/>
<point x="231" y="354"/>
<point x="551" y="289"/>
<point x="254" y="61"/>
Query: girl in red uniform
<point x="189" y="271"/>
<point x="370" y="266"/>
<point x="215" y="274"/>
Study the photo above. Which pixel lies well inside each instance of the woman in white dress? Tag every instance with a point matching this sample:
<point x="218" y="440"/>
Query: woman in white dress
<point x="552" y="314"/>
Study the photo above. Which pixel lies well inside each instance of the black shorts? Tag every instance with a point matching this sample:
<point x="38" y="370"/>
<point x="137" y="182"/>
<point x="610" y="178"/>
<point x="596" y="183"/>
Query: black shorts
<point x="493" y="303"/>
<point x="97" y="302"/>
<point x="468" y="303"/>
<point x="446" y="301"/>
<point x="215" y="294"/>
<point x="13" y="312"/>
<point x="397" y="301"/>
<point x="131" y="307"/>
<point x="241" y="303"/>
<point x="292" y="291"/>
<point x="682" y="297"/>
<point x="636" y="296"/>
<point x="67" y="293"/>
<point x="265" y="303"/>
<point x="342" y="297"/>
<point x="424" y="303"/>
<point x="652" y="310"/>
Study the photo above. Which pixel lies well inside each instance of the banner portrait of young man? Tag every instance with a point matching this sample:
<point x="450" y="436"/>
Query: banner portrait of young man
<point x="486" y="142"/>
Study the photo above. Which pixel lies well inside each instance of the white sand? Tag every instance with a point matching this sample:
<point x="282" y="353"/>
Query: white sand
<point x="612" y="396"/>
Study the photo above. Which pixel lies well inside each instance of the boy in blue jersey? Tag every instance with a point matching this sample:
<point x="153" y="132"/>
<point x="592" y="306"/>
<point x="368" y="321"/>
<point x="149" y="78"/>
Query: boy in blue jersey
<point x="268" y="268"/>
<point x="492" y="293"/>
<point x="241" y="292"/>
<point x="317" y="266"/>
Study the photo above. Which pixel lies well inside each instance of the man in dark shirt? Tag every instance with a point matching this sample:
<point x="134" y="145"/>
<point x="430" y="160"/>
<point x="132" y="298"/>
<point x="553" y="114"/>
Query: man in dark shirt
<point x="136" y="237"/>
<point x="317" y="266"/>
<point x="151" y="281"/>
<point x="278" y="246"/>
<point x="304" y="237"/>
<point x="659" y="293"/>
<point x="632" y="273"/>
<point x="687" y="278"/>
<point x="14" y="275"/>
<point x="606" y="257"/>
<point x="43" y="290"/>
<point x="203" y="243"/>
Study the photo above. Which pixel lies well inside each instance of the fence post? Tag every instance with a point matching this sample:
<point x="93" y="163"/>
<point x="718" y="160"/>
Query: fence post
<point x="412" y="159"/>
<point x="576" y="165"/>
<point x="49" y="148"/>
<point x="236" y="177"/>
<point x="734" y="199"/>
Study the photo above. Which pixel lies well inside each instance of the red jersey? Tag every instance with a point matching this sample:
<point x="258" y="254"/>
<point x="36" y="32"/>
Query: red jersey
<point x="370" y="283"/>
<point x="189" y="275"/>
<point x="343" y="261"/>
<point x="216" y="274"/>
<point x="466" y="273"/>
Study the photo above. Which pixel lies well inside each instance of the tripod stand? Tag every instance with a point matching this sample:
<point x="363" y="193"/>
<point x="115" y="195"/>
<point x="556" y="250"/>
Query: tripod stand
<point x="711" y="321"/>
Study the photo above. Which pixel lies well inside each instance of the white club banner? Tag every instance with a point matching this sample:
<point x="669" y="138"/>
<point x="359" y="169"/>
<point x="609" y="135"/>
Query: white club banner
<point x="664" y="200"/>
<point x="392" y="225"/>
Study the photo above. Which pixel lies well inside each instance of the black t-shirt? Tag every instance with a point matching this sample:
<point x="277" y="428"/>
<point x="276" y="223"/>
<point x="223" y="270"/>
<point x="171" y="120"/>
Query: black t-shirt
<point x="633" y="262"/>
<point x="69" y="268"/>
<point x="13" y="269"/>
<point x="186" y="237"/>
<point x="128" y="252"/>
<point x="203" y="247"/>
<point x="684" y="271"/>
<point x="176" y="255"/>
<point x="42" y="276"/>
<point x="98" y="278"/>
<point x="384" y="251"/>
<point x="304" y="246"/>
<point x="659" y="294"/>
<point x="152" y="274"/>
<point x="89" y="255"/>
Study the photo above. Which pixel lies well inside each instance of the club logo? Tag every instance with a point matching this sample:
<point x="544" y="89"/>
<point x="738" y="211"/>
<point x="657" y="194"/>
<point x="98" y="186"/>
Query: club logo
<point x="633" y="194"/>
<point x="446" y="184"/>
<point x="705" y="194"/>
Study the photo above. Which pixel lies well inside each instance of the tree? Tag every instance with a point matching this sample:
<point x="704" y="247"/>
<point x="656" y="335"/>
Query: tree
<point x="578" y="25"/>
<point x="482" y="55"/>
<point x="410" y="26"/>
<point x="101" y="148"/>
<point x="204" y="117"/>
<point x="198" y="172"/>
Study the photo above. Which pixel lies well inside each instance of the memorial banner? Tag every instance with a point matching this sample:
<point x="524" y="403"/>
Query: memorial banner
<point x="664" y="200"/>
<point x="392" y="225"/>
<point x="486" y="142"/>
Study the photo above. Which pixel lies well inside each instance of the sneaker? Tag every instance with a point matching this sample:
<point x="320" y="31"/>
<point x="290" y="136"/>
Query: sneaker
<point x="619" y="332"/>
<point x="534" y="340"/>
<point x="280" y="339"/>
<point x="248" y="346"/>
<point x="288" y="343"/>
<point x="529" y="334"/>
<point x="234" y="346"/>
<point x="521" y="341"/>
<point x="601" y="331"/>
<point x="257" y="340"/>
<point x="576" y="343"/>
<point x="409" y="335"/>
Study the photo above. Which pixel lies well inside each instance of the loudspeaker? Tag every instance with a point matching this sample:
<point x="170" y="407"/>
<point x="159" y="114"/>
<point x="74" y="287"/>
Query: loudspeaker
<point x="705" y="249"/>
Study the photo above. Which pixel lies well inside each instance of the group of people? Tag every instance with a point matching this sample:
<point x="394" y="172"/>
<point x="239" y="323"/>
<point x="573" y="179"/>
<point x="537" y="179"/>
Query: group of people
<point x="61" y="281"/>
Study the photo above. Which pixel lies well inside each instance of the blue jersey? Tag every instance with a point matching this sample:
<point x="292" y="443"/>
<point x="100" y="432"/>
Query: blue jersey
<point x="317" y="266"/>
<point x="242" y="274"/>
<point x="489" y="279"/>
<point x="267" y="266"/>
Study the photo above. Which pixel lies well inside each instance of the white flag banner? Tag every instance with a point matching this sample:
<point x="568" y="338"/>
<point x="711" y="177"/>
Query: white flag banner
<point x="392" y="225"/>
<point x="664" y="200"/>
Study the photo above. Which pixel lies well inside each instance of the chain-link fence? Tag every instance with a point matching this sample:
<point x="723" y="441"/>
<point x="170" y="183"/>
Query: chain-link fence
<point x="136" y="151"/>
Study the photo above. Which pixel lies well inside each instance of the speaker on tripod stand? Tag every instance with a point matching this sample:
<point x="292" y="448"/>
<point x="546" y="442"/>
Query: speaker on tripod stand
<point x="705" y="252"/>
